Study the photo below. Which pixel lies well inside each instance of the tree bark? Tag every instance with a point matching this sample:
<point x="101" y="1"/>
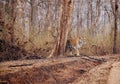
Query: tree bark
<point x="48" y="16"/>
<point x="115" y="29"/>
<point x="65" y="25"/>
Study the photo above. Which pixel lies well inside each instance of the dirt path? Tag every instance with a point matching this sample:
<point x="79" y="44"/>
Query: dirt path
<point x="106" y="73"/>
<point x="48" y="71"/>
<point x="114" y="76"/>
<point x="62" y="70"/>
<point x="14" y="66"/>
<point x="9" y="67"/>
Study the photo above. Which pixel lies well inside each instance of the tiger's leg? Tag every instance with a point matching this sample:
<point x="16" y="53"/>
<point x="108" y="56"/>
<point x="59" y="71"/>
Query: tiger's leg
<point x="71" y="48"/>
<point x="76" y="52"/>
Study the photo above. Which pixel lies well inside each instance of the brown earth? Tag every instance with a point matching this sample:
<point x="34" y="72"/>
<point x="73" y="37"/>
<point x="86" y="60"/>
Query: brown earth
<point x="106" y="73"/>
<point x="64" y="70"/>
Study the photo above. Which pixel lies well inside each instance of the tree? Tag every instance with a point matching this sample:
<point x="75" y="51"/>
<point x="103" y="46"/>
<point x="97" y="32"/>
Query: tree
<point x="65" y="25"/>
<point x="48" y="16"/>
<point x="115" y="14"/>
<point x="8" y="17"/>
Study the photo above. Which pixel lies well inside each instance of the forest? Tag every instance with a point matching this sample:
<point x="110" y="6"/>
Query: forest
<point x="59" y="41"/>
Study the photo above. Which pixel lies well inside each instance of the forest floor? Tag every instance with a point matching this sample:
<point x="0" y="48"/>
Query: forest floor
<point x="62" y="70"/>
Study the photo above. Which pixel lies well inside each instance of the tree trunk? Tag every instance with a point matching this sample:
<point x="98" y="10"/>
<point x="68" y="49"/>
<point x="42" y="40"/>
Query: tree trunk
<point x="48" y="16"/>
<point x="65" y="25"/>
<point x="115" y="29"/>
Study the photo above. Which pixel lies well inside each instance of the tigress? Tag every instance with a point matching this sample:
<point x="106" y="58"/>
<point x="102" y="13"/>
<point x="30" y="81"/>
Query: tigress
<point x="73" y="45"/>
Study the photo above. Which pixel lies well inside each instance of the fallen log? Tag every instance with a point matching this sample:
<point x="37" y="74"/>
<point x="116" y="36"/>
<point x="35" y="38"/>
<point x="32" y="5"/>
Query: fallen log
<point x="93" y="59"/>
<point x="20" y="65"/>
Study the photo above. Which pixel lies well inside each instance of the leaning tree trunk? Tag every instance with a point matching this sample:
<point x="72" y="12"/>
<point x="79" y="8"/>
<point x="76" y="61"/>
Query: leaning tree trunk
<point x="65" y="25"/>
<point x="115" y="29"/>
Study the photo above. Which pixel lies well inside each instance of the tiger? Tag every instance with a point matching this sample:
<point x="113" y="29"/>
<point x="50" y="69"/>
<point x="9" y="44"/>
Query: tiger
<point x="73" y="45"/>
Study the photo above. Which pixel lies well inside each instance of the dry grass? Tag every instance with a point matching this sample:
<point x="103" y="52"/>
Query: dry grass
<point x="41" y="43"/>
<point x="100" y="44"/>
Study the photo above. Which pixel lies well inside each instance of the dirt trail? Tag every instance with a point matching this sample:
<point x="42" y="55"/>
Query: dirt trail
<point x="106" y="73"/>
<point x="45" y="71"/>
<point x="64" y="70"/>
<point x="114" y="77"/>
<point x="14" y="66"/>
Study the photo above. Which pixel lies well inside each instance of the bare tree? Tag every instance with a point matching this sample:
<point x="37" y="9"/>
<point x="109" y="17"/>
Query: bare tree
<point x="48" y="16"/>
<point x="115" y="13"/>
<point x="65" y="25"/>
